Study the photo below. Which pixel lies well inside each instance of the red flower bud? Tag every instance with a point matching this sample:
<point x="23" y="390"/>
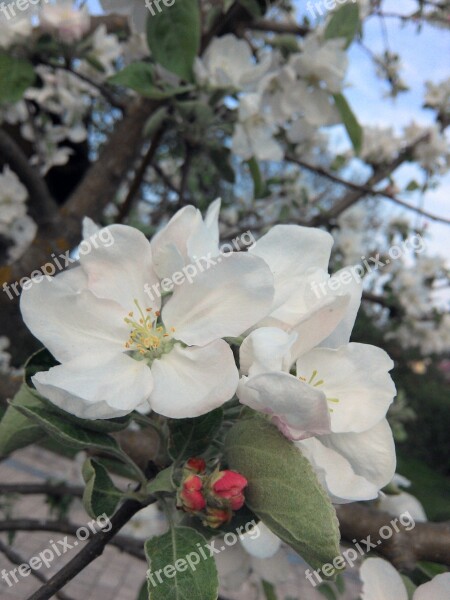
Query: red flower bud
<point x="191" y="496"/>
<point x="215" y="517"/>
<point x="198" y="465"/>
<point x="229" y="486"/>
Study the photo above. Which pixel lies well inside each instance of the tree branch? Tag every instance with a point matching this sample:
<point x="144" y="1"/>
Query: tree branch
<point x="51" y="489"/>
<point x="274" y="27"/>
<point x="360" y="190"/>
<point x="42" y="206"/>
<point x="424" y="542"/>
<point x="125" y="543"/>
<point x="16" y="559"/>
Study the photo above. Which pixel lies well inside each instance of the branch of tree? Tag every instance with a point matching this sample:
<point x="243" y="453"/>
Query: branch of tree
<point x="274" y="27"/>
<point x="48" y="488"/>
<point x="16" y="559"/>
<point x="404" y="549"/>
<point x="42" y="206"/>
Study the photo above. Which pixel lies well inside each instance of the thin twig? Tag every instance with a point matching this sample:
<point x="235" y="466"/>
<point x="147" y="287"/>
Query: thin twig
<point x="51" y="489"/>
<point x="16" y="559"/>
<point x="92" y="550"/>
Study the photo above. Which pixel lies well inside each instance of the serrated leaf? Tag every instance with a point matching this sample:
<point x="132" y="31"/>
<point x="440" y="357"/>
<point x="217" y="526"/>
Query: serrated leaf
<point x="16" y="76"/>
<point x="191" y="437"/>
<point x="344" y="23"/>
<point x="139" y="76"/>
<point x="350" y="122"/>
<point x="283" y="491"/>
<point x="100" y="494"/>
<point x="68" y="433"/>
<point x="163" y="482"/>
<point x="173" y="37"/>
<point x="16" y="430"/>
<point x="196" y="582"/>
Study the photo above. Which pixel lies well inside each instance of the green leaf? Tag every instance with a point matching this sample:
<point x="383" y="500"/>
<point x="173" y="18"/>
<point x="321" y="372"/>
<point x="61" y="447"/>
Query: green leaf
<point x="269" y="590"/>
<point x="283" y="491"/>
<point x="100" y="494"/>
<point x="409" y="585"/>
<point x="344" y="23"/>
<point x="174" y="35"/>
<point x="352" y="126"/>
<point x="327" y="591"/>
<point x="16" y="430"/>
<point x="163" y="482"/>
<point x="259" y="188"/>
<point x="221" y="159"/>
<point x="143" y="592"/>
<point x="183" y="572"/>
<point x="16" y="76"/>
<point x="253" y="7"/>
<point x="139" y="76"/>
<point x="191" y="437"/>
<point x="155" y="121"/>
<point x="68" y="433"/>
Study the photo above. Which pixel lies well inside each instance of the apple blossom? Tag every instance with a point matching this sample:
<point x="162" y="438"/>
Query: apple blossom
<point x="67" y="22"/>
<point x="120" y="352"/>
<point x="382" y="581"/>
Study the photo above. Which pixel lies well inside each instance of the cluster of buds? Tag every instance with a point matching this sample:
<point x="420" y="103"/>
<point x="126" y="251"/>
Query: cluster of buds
<point x="212" y="497"/>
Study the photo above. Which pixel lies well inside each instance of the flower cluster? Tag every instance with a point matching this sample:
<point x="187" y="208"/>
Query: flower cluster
<point x="212" y="497"/>
<point x="122" y="351"/>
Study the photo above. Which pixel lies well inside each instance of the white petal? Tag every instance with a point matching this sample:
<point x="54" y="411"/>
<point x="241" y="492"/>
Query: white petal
<point x="223" y="300"/>
<point x="358" y="376"/>
<point x="381" y="581"/>
<point x="276" y="570"/>
<point x="169" y="245"/>
<point x="349" y="283"/>
<point x="204" y="240"/>
<point x="190" y="382"/>
<point x="336" y="474"/>
<point x="319" y="323"/>
<point x="266" y="349"/>
<point x="290" y="250"/>
<point x="399" y="504"/>
<point x="298" y="410"/>
<point x="119" y="271"/>
<point x="71" y="320"/>
<point x="436" y="589"/>
<point x="233" y="566"/>
<point x="371" y="454"/>
<point x="260" y="542"/>
<point x="97" y="386"/>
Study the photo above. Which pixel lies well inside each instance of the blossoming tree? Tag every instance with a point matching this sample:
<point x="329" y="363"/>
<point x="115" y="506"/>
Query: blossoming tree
<point x="238" y="368"/>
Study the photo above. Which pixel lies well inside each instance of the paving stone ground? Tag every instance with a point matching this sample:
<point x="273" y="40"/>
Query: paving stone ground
<point x="114" y="575"/>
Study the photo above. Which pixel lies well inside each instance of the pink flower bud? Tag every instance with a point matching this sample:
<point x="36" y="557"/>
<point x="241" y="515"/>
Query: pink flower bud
<point x="215" y="517"/>
<point x="229" y="486"/>
<point x="198" y="465"/>
<point x="191" y="497"/>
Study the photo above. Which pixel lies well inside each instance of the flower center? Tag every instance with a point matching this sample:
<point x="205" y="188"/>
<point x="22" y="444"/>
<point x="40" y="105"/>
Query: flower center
<point x="148" y="339"/>
<point x="315" y="382"/>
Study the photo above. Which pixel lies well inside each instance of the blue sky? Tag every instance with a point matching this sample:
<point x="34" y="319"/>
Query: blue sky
<point x="425" y="57"/>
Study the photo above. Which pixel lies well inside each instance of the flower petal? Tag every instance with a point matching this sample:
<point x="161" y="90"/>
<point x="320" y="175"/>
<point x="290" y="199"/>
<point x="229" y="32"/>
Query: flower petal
<point x="436" y="589"/>
<point x="69" y="319"/>
<point x="266" y="349"/>
<point x="121" y="270"/>
<point x="264" y="544"/>
<point x="358" y="376"/>
<point x="290" y="250"/>
<point x="298" y="410"/>
<point x="382" y="581"/>
<point x="190" y="382"/>
<point x="370" y="454"/>
<point x="224" y="300"/>
<point x="349" y="283"/>
<point x="97" y="386"/>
